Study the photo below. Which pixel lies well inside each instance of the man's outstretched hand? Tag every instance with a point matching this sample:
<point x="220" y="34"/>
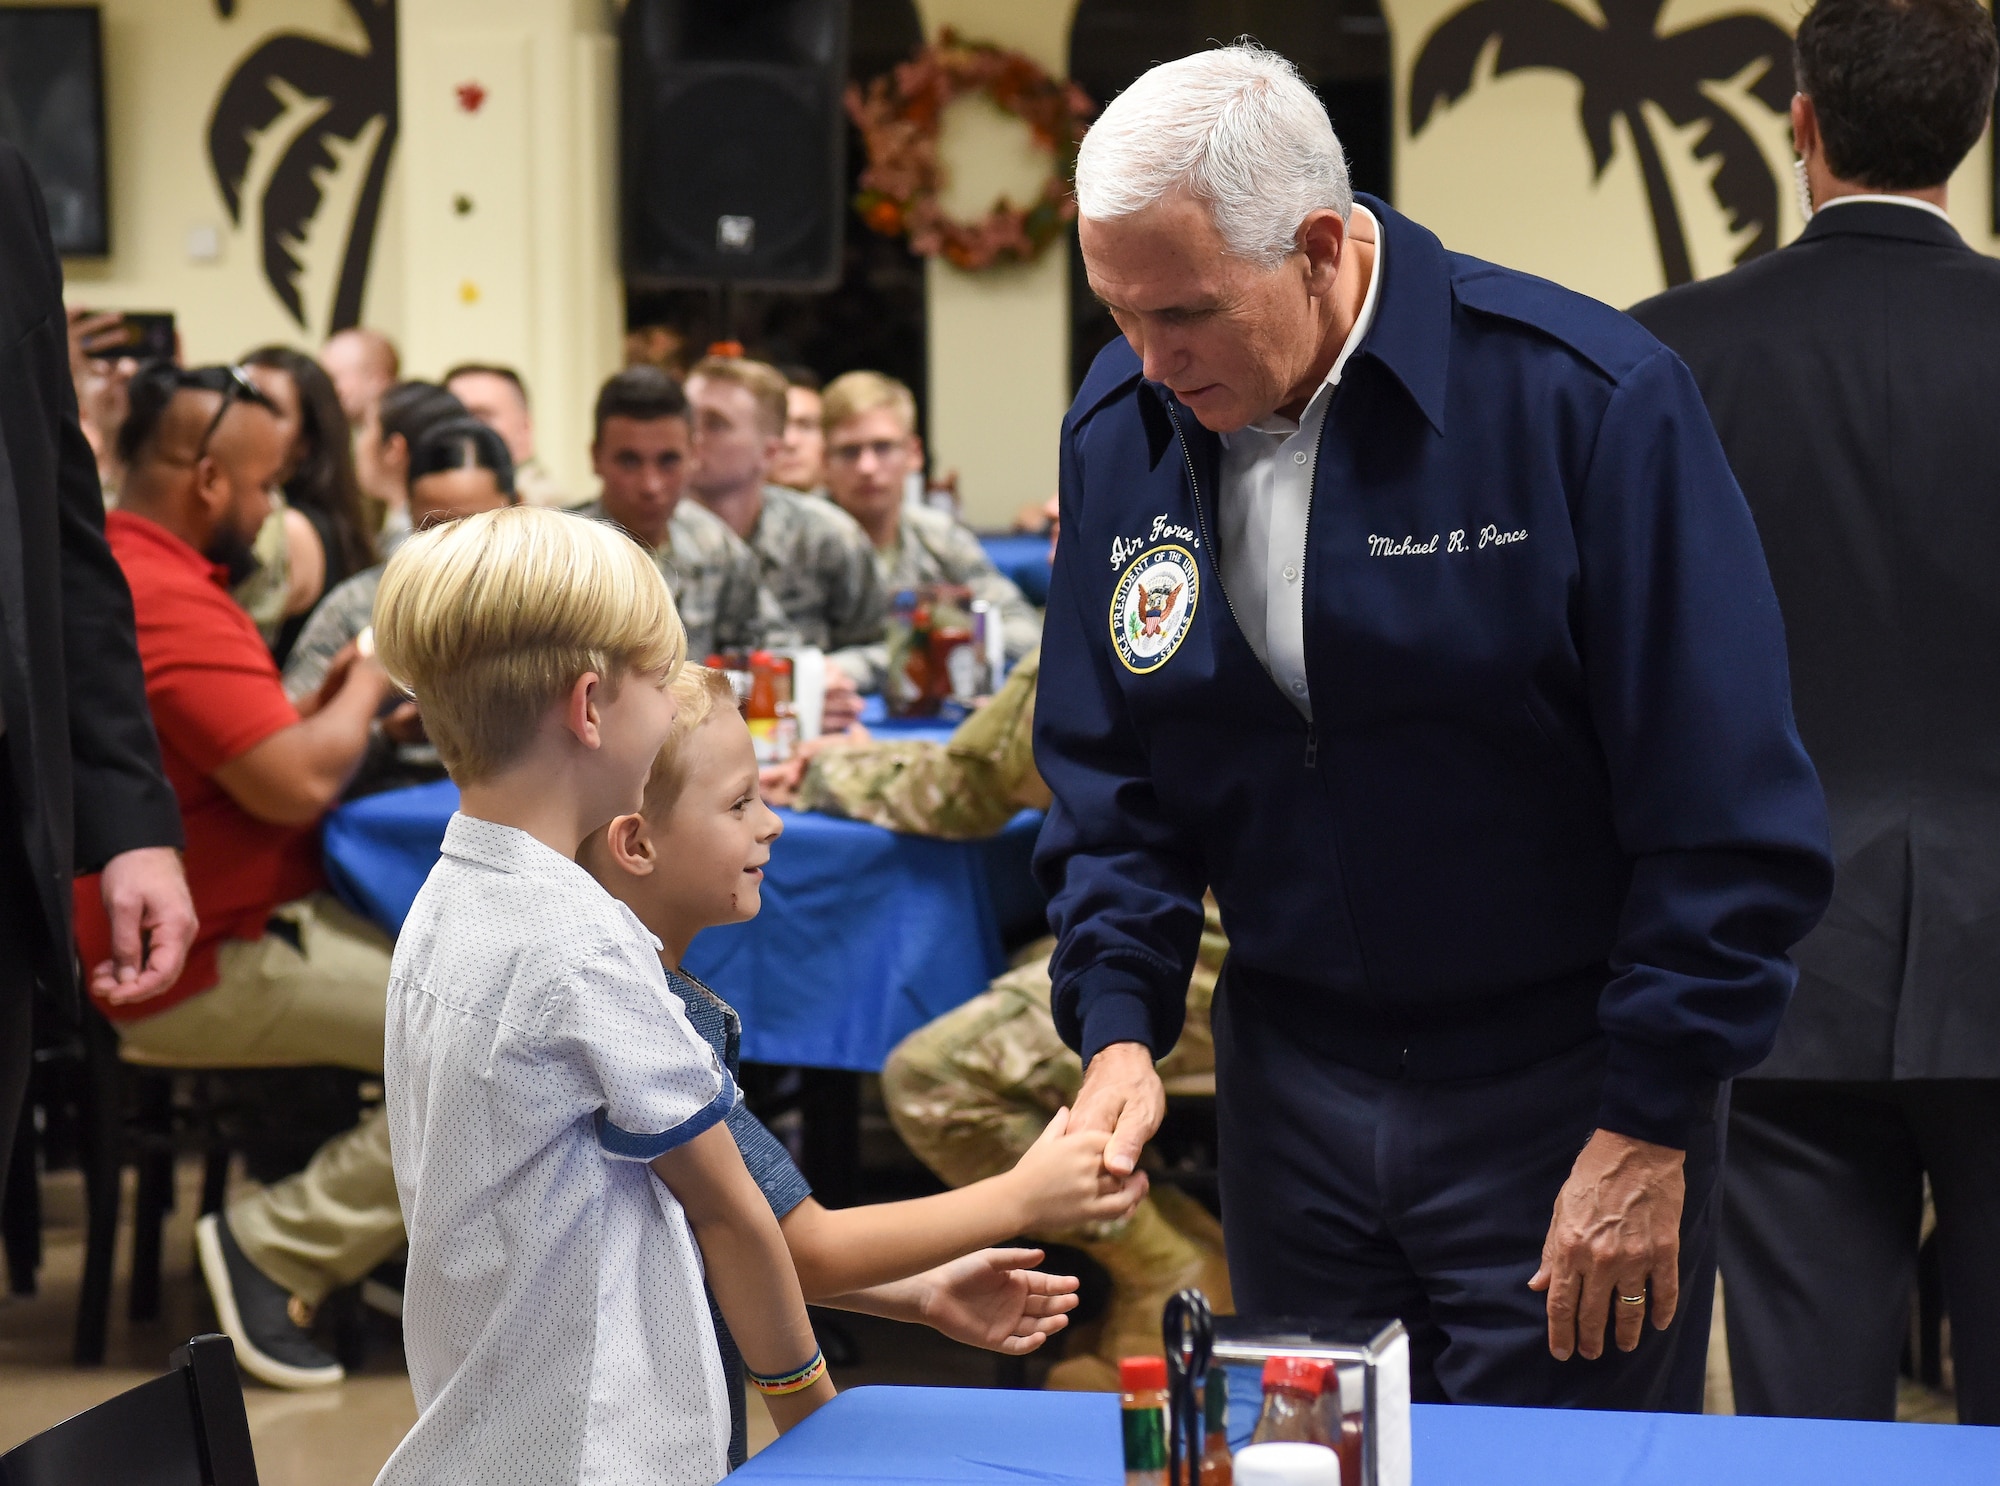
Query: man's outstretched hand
<point x="1122" y="1096"/>
<point x="152" y="925"/>
<point x="1616" y="1231"/>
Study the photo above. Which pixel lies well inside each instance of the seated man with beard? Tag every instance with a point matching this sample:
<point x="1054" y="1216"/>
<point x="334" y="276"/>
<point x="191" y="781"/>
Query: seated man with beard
<point x="280" y="974"/>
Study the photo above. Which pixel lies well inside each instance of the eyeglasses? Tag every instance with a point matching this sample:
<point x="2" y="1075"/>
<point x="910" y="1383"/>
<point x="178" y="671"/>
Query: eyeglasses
<point x="235" y="386"/>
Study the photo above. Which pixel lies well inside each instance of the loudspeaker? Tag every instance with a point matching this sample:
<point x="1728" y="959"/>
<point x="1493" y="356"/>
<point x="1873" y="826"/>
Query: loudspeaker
<point x="734" y="142"/>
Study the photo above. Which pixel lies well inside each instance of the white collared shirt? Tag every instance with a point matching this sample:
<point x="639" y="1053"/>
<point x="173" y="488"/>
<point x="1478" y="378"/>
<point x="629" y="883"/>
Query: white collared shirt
<point x="1267" y="479"/>
<point x="1885" y="200"/>
<point x="535" y="1060"/>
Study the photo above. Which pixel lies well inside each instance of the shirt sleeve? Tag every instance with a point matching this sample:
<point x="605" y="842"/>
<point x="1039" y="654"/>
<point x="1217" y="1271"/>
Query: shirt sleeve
<point x="1124" y="881"/>
<point x="656" y="1083"/>
<point x="770" y="1165"/>
<point x="857" y="607"/>
<point x="1714" y="798"/>
<point x="215" y="703"/>
<point x="339" y="618"/>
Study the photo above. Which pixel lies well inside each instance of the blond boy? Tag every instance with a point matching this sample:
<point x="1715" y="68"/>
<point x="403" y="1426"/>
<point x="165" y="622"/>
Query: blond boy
<point x="693" y="857"/>
<point x="556" y="1123"/>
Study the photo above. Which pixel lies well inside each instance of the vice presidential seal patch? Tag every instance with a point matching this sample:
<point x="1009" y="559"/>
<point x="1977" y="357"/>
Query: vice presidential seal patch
<point x="1153" y="607"/>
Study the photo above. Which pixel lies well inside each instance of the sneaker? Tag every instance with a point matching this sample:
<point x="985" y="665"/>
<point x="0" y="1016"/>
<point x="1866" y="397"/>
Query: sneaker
<point x="267" y="1322"/>
<point x="383" y="1289"/>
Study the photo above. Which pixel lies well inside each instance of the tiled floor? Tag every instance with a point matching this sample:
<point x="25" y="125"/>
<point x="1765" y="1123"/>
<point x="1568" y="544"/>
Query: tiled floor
<point x="338" y="1437"/>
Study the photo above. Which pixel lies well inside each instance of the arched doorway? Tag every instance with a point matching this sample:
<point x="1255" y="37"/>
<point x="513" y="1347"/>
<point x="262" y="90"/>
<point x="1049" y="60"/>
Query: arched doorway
<point x="1342" y="47"/>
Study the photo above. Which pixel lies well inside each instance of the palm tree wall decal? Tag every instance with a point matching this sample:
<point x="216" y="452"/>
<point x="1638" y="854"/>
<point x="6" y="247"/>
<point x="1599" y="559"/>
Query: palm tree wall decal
<point x="356" y="89"/>
<point x="1623" y="63"/>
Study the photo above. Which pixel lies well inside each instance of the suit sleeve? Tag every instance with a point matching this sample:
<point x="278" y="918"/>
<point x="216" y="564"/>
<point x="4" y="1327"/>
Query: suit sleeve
<point x="121" y="797"/>
<point x="1124" y="883"/>
<point x="1714" y="798"/>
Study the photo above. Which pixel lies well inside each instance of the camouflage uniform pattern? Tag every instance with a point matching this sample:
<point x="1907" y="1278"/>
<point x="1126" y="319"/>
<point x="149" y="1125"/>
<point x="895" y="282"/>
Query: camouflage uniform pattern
<point x="970" y="1091"/>
<point x="714" y="579"/>
<point x="817" y="563"/>
<point x="961" y="790"/>
<point x="342" y="614"/>
<point x="933" y="547"/>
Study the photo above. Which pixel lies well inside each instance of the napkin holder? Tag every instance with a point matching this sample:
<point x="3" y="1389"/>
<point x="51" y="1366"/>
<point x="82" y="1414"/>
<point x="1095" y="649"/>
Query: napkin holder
<point x="1383" y="1362"/>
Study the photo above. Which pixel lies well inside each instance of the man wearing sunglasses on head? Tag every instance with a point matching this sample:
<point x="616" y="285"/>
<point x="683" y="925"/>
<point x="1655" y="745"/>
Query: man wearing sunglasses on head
<point x="279" y="975"/>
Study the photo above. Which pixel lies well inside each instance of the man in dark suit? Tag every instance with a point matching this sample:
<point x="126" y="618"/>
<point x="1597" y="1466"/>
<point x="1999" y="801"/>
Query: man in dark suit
<point x="1855" y="379"/>
<point x="82" y="786"/>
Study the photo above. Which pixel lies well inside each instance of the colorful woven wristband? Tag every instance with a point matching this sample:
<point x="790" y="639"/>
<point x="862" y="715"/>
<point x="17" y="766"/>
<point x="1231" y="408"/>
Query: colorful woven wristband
<point x="796" y="1381"/>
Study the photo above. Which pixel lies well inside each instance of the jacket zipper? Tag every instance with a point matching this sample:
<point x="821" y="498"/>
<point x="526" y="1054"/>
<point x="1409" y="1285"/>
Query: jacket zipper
<point x="1201" y="516"/>
<point x="1215" y="557"/>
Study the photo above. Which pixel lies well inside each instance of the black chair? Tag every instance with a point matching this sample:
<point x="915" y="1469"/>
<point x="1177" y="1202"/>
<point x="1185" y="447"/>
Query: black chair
<point x="113" y="1112"/>
<point x="187" y="1428"/>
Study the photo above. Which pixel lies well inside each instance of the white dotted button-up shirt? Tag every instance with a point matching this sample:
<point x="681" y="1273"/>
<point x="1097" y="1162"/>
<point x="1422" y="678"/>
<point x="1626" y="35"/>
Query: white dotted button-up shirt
<point x="536" y="1059"/>
<point x="1267" y="480"/>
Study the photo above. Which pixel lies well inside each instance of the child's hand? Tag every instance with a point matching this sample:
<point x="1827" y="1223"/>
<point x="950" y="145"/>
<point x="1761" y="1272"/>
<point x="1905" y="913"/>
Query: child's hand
<point x="996" y="1299"/>
<point x="1062" y="1183"/>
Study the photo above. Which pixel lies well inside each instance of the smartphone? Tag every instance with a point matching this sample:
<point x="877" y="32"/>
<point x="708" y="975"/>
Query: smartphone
<point x="149" y="336"/>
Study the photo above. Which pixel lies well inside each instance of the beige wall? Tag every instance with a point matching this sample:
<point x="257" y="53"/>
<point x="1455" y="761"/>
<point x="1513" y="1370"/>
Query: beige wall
<point x="1505" y="173"/>
<point x="529" y="275"/>
<point x="165" y="62"/>
<point x="998" y="340"/>
<point x="509" y="249"/>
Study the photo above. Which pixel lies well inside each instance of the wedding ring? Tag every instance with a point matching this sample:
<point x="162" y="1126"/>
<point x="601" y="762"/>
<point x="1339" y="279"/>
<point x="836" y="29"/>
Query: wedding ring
<point x="1632" y="1300"/>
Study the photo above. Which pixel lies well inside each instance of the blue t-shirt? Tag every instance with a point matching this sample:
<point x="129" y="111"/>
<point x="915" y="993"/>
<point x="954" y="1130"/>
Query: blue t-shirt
<point x="771" y="1166"/>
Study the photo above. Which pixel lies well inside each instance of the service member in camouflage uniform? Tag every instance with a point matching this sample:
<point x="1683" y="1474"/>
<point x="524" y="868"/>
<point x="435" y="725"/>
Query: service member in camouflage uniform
<point x="811" y="555"/>
<point x="640" y="452"/>
<point x="970" y="1091"/>
<point x="871" y="452"/>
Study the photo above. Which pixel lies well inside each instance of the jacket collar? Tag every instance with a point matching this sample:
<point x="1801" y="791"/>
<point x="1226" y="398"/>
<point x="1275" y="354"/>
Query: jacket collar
<point x="1411" y="336"/>
<point x="1882" y="219"/>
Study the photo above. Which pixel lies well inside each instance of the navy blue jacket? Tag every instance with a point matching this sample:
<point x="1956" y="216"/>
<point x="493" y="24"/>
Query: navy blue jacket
<point x="1553" y="784"/>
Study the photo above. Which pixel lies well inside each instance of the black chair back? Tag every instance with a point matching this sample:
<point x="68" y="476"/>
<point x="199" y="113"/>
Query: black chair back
<point x="187" y="1428"/>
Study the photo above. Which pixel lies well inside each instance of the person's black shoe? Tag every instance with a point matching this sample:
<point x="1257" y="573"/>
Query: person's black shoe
<point x="260" y="1315"/>
<point x="383" y="1289"/>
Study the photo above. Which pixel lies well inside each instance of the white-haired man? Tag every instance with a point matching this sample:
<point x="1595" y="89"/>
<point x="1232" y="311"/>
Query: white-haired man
<point x="1409" y="602"/>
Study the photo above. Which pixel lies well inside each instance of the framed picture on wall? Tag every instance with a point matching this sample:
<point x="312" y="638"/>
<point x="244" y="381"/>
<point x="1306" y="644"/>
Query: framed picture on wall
<point x="52" y="110"/>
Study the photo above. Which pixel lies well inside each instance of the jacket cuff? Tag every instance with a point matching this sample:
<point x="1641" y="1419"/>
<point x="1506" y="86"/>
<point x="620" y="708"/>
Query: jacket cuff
<point x="1653" y="1097"/>
<point x="1113" y="1005"/>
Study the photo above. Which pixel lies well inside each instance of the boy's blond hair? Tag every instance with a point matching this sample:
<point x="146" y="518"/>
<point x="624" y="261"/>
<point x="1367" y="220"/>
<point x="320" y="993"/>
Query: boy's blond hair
<point x="490" y="620"/>
<point x="699" y="693"/>
<point x="765" y="384"/>
<point x="858" y="392"/>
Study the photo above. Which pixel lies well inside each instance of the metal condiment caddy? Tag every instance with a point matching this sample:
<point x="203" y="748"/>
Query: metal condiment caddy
<point x="1195" y="1341"/>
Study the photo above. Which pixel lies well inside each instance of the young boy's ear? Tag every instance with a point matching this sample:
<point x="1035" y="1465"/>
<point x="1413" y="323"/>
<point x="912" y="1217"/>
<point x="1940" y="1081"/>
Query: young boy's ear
<point x="628" y="843"/>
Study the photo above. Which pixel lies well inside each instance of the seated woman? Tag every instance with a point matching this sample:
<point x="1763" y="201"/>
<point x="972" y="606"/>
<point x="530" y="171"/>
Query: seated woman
<point x="459" y="467"/>
<point x="322" y="535"/>
<point x="384" y="440"/>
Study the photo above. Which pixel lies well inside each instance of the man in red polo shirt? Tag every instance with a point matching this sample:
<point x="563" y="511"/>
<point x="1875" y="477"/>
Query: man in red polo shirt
<point x="279" y="975"/>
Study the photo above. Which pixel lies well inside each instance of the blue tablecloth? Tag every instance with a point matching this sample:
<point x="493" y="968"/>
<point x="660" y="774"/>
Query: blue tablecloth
<point x="1023" y="558"/>
<point x="999" y="1437"/>
<point x="865" y="935"/>
<point x="875" y="717"/>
